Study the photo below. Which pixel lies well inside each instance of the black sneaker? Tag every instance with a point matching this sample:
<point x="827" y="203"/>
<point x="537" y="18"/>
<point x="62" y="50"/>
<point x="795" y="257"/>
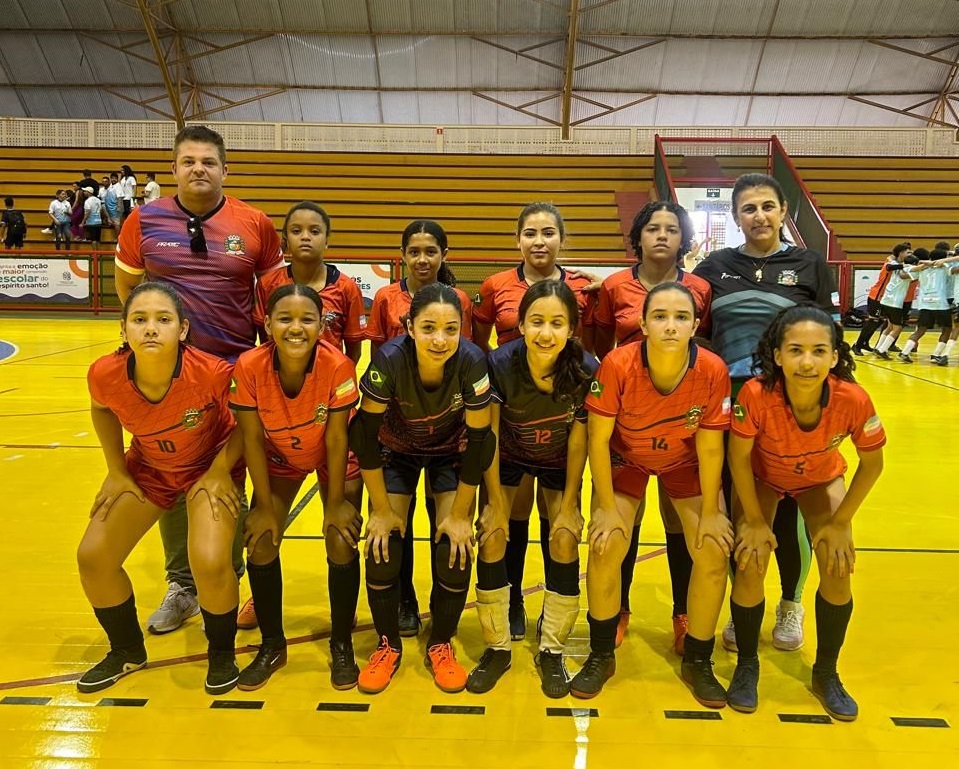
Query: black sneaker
<point x="698" y="675"/>
<point x="882" y="355"/>
<point x="743" y="694"/>
<point x="553" y="675"/>
<point x="517" y="621"/>
<point x="344" y="672"/>
<point x="596" y="671"/>
<point x="943" y="361"/>
<point x="270" y="658"/>
<point x="829" y="690"/>
<point x="222" y="672"/>
<point x="894" y="348"/>
<point x="489" y="670"/>
<point x="410" y="622"/>
<point x="111" y="669"/>
<point x="904" y="358"/>
<point x="857" y="350"/>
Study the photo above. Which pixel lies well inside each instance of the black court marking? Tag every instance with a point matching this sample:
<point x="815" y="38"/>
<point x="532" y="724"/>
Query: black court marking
<point x="61" y="352"/>
<point x="804" y="718"/>
<point x="236" y="705"/>
<point x="299" y="509"/>
<point x="26" y="700"/>
<point x="10" y="390"/>
<point x="911" y="376"/>
<point x="929" y="723"/>
<point x="343" y="707"/>
<point x="458" y="710"/>
<point x="693" y="715"/>
<point x="121" y="702"/>
<point x="571" y="712"/>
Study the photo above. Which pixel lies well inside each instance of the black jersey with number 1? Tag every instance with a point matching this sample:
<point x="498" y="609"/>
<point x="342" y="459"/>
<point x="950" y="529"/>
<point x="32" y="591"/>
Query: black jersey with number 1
<point x="425" y="421"/>
<point x="534" y="428"/>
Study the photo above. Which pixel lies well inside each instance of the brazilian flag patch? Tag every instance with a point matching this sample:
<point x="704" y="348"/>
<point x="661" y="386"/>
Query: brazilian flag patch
<point x="739" y="411"/>
<point x="376" y="377"/>
<point x="596" y="388"/>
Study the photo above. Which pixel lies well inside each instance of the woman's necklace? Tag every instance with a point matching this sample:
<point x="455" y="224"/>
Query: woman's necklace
<point x="760" y="263"/>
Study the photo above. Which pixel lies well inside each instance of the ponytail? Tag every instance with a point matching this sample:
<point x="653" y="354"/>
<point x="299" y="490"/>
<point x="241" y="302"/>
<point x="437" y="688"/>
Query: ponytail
<point x="570" y="379"/>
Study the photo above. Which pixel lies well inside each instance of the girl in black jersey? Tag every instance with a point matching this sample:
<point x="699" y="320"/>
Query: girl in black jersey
<point x="751" y="283"/>
<point x="426" y="399"/>
<point x="539" y="381"/>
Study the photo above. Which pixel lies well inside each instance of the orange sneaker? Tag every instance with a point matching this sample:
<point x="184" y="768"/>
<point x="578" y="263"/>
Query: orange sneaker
<point x="448" y="674"/>
<point x="383" y="664"/>
<point x="621" y="626"/>
<point x="246" y="619"/>
<point x="680" y="628"/>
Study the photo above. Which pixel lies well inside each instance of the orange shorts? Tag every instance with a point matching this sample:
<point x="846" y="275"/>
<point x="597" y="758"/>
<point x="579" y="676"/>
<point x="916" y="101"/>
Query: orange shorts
<point x="162" y="487"/>
<point x="279" y="469"/>
<point x="680" y="483"/>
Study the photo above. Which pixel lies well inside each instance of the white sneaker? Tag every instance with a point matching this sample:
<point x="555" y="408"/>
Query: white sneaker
<point x="788" y="633"/>
<point x="179" y="604"/>
<point x="46" y="231"/>
<point x="729" y="637"/>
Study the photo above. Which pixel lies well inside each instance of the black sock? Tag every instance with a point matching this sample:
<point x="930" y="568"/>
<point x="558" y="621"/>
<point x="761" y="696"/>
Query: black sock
<point x="680" y="570"/>
<point x="544" y="546"/>
<point x="563" y="578"/>
<point x="785" y="527"/>
<point x="748" y="622"/>
<point x="431" y="514"/>
<point x="602" y="633"/>
<point x="446" y="614"/>
<point x="626" y="570"/>
<point x="868" y="329"/>
<point x="266" y="582"/>
<point x="697" y="649"/>
<point x="831" y="624"/>
<point x="516" y="558"/>
<point x="491" y="576"/>
<point x="220" y="630"/>
<point x="385" y="608"/>
<point x="343" y="584"/>
<point x="122" y="627"/>
<point x="407" y="591"/>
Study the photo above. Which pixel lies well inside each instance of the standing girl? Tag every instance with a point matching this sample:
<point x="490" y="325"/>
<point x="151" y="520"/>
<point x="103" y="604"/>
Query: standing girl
<point x="540" y="382"/>
<point x="424" y="248"/>
<point x="658" y="407"/>
<point x="540" y="236"/>
<point x="292" y="400"/>
<point x="173" y="399"/>
<point x="661" y="236"/>
<point x="305" y="237"/>
<point x="426" y="403"/>
<point x="806" y="399"/>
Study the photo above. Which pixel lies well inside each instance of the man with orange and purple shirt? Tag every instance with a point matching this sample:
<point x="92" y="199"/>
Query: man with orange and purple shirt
<point x="211" y="248"/>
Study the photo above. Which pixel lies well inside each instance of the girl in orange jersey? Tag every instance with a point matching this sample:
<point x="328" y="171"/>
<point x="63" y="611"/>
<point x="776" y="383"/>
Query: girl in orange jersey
<point x="424" y="247"/>
<point x="173" y="399"/>
<point x="658" y="407"/>
<point x="305" y="237"/>
<point x="292" y="400"/>
<point x="540" y="236"/>
<point x="787" y="426"/>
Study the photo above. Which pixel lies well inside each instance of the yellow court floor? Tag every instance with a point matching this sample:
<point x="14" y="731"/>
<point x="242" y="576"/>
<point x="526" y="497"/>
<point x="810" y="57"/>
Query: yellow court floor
<point x="898" y="660"/>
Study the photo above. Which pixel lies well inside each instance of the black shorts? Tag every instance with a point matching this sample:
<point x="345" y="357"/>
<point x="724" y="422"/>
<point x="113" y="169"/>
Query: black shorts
<point x="13" y="241"/>
<point x="127" y="206"/>
<point x="552" y="478"/>
<point x="93" y="231"/>
<point x="894" y="315"/>
<point x="934" y="318"/>
<point x="873" y="307"/>
<point x="402" y="472"/>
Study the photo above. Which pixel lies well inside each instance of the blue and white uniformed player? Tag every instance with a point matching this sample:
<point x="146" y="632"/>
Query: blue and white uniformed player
<point x="426" y="401"/>
<point x="932" y="302"/>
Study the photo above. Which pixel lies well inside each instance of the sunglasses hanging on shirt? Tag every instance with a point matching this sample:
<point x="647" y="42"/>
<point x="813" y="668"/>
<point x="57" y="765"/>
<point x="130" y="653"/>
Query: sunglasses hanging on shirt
<point x="194" y="227"/>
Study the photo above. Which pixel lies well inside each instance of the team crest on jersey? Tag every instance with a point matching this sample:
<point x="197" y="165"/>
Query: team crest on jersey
<point x="456" y="402"/>
<point x="596" y="388"/>
<point x="320" y="414"/>
<point x="477" y="300"/>
<point x="739" y="411"/>
<point x="192" y="418"/>
<point x="332" y="320"/>
<point x="693" y="416"/>
<point x="788" y="278"/>
<point x="235" y="245"/>
<point x="571" y="414"/>
<point x="835" y="441"/>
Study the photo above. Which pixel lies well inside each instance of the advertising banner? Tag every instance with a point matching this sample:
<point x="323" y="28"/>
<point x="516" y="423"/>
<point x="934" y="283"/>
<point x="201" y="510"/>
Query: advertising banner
<point x="24" y="280"/>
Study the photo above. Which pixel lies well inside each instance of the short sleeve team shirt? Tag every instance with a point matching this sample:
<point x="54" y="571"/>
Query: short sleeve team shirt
<point x="533" y="428"/>
<point x="295" y="428"/>
<point x="497" y="303"/>
<point x="623" y="296"/>
<point x="791" y="458"/>
<point x="183" y="432"/>
<point x="343" y="309"/>
<point x="216" y="287"/>
<point x="656" y="432"/>
<point x="419" y="421"/>
<point x="392" y="302"/>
